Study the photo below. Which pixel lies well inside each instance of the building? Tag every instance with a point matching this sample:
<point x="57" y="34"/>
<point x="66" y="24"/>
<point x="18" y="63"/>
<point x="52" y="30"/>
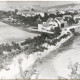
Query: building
<point x="62" y="11"/>
<point x="76" y="18"/>
<point x="50" y="24"/>
<point x="30" y="13"/>
<point x="67" y="16"/>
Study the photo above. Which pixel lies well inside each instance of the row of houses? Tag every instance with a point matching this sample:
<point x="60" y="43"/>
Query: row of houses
<point x="30" y="13"/>
<point x="51" y="23"/>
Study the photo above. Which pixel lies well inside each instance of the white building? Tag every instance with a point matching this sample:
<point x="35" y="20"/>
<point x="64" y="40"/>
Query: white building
<point x="40" y="27"/>
<point x="77" y="17"/>
<point x="5" y="52"/>
<point x="30" y="13"/>
<point x="62" y="12"/>
<point x="67" y="16"/>
<point x="50" y="24"/>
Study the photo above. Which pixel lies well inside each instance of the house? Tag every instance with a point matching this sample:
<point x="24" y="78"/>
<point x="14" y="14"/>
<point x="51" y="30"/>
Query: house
<point x="5" y="52"/>
<point x="50" y="24"/>
<point x="62" y="11"/>
<point x="30" y="13"/>
<point x="76" y="18"/>
<point x="67" y="16"/>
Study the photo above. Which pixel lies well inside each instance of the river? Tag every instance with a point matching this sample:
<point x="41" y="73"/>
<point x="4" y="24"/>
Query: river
<point x="9" y="33"/>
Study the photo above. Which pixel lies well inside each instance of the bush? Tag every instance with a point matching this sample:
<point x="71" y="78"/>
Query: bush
<point x="35" y="44"/>
<point x="7" y="47"/>
<point x="27" y="41"/>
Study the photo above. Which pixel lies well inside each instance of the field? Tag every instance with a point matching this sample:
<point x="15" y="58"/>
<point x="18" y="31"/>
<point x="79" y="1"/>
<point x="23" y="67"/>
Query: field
<point x="9" y="33"/>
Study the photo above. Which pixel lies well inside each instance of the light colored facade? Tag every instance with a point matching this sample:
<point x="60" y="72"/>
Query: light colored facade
<point x="62" y="11"/>
<point x="50" y="24"/>
<point x="30" y="13"/>
<point x="76" y="17"/>
<point x="69" y="16"/>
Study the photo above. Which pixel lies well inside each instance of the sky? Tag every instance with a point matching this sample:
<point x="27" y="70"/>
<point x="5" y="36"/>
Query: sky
<point x="30" y="3"/>
<point x="42" y="3"/>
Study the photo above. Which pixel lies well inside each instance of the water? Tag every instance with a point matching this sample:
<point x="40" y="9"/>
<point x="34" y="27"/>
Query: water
<point x="9" y="33"/>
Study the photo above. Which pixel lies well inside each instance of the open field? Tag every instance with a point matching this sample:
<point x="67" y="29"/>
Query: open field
<point x="9" y="33"/>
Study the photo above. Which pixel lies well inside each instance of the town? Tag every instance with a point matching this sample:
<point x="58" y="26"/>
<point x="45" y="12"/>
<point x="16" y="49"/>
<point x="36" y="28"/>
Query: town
<point x="41" y="20"/>
<point x="36" y="39"/>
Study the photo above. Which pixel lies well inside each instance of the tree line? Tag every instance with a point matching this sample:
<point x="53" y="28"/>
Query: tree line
<point x="33" y="20"/>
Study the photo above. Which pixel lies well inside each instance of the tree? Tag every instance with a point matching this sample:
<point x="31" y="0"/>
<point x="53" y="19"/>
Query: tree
<point x="57" y="12"/>
<point x="16" y="10"/>
<point x="57" y="31"/>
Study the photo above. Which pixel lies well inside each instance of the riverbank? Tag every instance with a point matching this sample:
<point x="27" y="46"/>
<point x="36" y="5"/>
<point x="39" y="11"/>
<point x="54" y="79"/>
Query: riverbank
<point x="60" y="59"/>
<point x="28" y="63"/>
<point x="67" y="59"/>
<point x="47" y="69"/>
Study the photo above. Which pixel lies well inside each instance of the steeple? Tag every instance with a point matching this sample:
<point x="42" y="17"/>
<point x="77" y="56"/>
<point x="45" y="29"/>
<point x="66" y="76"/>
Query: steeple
<point x="39" y="21"/>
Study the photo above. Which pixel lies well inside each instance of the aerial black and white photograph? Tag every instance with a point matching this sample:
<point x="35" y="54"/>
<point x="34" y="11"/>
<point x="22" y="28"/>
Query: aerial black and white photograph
<point x="40" y="40"/>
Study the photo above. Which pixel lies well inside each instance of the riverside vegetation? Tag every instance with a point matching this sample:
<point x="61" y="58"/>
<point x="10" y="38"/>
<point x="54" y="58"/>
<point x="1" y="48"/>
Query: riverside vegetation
<point x="32" y="45"/>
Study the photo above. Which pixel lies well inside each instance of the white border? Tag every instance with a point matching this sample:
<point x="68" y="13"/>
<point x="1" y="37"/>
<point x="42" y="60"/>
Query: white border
<point x="40" y="0"/>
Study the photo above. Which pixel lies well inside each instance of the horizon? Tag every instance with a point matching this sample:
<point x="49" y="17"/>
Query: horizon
<point x="31" y="3"/>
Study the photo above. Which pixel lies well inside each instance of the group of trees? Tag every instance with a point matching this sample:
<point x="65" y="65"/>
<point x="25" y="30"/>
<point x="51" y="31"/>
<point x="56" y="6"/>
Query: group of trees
<point x="7" y="14"/>
<point x="74" y="72"/>
<point x="8" y="47"/>
<point x="36" y="44"/>
<point x="70" y="21"/>
<point x="32" y="20"/>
